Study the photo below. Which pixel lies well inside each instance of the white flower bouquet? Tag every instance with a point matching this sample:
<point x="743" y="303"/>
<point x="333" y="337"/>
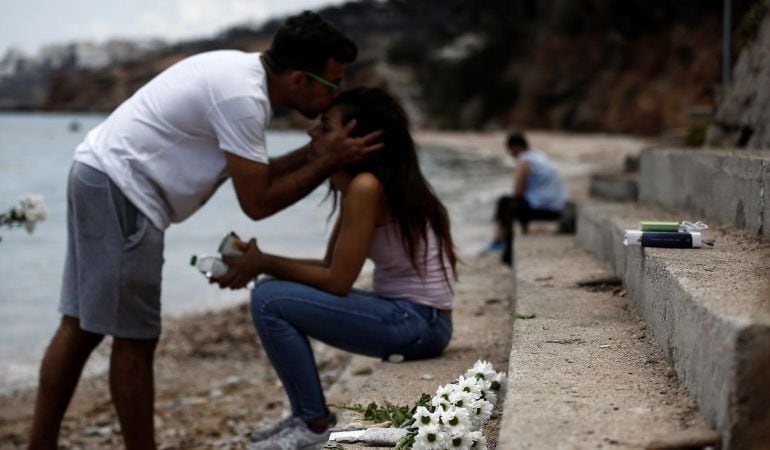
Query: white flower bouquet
<point x="29" y="211"/>
<point x="454" y="416"/>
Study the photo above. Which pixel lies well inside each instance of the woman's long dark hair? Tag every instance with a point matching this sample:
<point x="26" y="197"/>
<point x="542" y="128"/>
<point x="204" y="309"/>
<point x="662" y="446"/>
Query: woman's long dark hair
<point x="410" y="199"/>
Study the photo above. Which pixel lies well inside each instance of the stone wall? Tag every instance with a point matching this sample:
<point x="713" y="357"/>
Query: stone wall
<point x="743" y="117"/>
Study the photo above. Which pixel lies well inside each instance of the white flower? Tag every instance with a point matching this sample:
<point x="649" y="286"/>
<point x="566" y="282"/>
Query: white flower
<point x="480" y="412"/>
<point x="482" y="370"/>
<point x="478" y="439"/>
<point x="34" y="207"/>
<point x="30" y="210"/>
<point x="491" y="397"/>
<point x="441" y="400"/>
<point x="440" y="403"/>
<point x="496" y="388"/>
<point x="456" y="420"/>
<point x="422" y="417"/>
<point x="445" y="390"/>
<point x="471" y="385"/>
<point x="500" y="382"/>
<point x="486" y="384"/>
<point x="462" y="399"/>
<point x="430" y="437"/>
<point x="460" y="410"/>
<point x="460" y="440"/>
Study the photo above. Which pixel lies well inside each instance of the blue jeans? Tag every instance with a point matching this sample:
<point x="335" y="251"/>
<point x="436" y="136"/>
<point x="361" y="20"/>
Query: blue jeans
<point x="287" y="313"/>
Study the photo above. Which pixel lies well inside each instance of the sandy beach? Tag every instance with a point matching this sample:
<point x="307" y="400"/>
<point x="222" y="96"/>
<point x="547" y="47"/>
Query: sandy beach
<point x="213" y="382"/>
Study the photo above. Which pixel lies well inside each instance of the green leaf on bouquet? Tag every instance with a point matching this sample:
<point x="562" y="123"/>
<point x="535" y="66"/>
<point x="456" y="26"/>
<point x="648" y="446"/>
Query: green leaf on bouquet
<point x="373" y="412"/>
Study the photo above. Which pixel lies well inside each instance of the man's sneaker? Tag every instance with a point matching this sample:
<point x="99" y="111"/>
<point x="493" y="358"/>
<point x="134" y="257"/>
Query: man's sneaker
<point x="296" y="436"/>
<point x="496" y="245"/>
<point x="261" y="435"/>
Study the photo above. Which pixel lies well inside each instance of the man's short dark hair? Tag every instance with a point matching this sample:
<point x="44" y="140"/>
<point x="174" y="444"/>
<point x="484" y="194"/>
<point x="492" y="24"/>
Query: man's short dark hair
<point x="517" y="139"/>
<point x="306" y="42"/>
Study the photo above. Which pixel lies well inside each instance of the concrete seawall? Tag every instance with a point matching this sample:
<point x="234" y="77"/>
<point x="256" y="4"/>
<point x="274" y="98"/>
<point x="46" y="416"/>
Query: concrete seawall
<point x="709" y="309"/>
<point x="731" y="187"/>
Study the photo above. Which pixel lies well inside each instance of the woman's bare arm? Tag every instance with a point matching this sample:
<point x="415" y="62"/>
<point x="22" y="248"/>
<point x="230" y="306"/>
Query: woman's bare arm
<point x="346" y="253"/>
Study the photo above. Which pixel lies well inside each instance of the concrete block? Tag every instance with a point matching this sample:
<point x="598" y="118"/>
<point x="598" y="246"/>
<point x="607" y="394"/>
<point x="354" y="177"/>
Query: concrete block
<point x="709" y="309"/>
<point x="618" y="187"/>
<point x="723" y="186"/>
<point x="593" y="231"/>
<point x="582" y="374"/>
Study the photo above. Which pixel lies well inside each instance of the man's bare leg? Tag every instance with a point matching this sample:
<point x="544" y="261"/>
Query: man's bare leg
<point x="59" y="374"/>
<point x="132" y="388"/>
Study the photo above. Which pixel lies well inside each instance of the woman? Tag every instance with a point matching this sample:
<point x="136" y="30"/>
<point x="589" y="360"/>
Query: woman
<point x="389" y="214"/>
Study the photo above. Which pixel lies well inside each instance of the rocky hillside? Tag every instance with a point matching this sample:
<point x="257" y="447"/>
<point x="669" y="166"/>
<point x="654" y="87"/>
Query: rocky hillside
<point x="634" y="66"/>
<point x="743" y="115"/>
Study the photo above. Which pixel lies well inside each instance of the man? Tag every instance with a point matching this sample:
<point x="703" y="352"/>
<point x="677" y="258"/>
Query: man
<point x="538" y="194"/>
<point x="156" y="160"/>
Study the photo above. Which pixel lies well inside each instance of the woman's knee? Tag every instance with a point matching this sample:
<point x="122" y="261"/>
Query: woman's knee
<point x="267" y="291"/>
<point x="273" y="287"/>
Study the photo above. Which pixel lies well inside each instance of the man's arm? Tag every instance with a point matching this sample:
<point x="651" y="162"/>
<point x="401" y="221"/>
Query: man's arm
<point x="261" y="193"/>
<point x="291" y="161"/>
<point x="262" y="190"/>
<point x="522" y="172"/>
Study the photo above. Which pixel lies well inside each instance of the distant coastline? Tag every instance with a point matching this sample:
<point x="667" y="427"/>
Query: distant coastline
<point x="589" y="70"/>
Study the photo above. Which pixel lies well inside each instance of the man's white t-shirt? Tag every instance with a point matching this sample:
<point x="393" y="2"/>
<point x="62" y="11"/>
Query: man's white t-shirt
<point x="165" y="146"/>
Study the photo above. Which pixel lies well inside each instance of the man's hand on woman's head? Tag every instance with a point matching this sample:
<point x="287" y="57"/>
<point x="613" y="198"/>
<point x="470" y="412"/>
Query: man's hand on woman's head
<point x="344" y="150"/>
<point x="243" y="268"/>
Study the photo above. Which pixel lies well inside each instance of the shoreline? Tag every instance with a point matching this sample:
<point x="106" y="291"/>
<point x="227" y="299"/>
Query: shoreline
<point x="213" y="383"/>
<point x="576" y="155"/>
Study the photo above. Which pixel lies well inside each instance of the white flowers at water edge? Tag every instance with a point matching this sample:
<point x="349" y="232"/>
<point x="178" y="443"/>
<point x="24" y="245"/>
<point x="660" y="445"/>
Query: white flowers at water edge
<point x="455" y="414"/>
<point x="29" y="211"/>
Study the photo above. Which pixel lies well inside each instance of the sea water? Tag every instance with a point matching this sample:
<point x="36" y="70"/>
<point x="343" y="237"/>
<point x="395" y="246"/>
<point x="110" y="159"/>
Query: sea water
<point x="35" y="156"/>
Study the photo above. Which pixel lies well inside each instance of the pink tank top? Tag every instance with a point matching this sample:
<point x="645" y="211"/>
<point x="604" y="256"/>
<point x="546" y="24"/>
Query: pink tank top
<point x="395" y="277"/>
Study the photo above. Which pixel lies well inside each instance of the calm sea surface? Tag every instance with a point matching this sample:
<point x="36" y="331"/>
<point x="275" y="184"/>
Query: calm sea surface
<point x="35" y="156"/>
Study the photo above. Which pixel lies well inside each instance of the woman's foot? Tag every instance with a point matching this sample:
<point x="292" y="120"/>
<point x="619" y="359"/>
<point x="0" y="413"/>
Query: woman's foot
<point x="264" y="433"/>
<point x="296" y="436"/>
<point x="293" y="433"/>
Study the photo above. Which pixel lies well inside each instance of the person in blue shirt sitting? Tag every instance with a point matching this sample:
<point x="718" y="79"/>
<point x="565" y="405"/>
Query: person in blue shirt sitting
<point x="538" y="194"/>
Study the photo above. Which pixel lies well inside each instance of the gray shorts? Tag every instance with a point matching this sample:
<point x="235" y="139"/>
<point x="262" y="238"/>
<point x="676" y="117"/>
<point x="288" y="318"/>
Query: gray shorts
<point x="114" y="262"/>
